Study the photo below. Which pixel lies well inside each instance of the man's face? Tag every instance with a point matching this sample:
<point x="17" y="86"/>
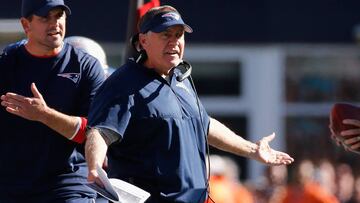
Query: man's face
<point x="46" y="32"/>
<point x="165" y="50"/>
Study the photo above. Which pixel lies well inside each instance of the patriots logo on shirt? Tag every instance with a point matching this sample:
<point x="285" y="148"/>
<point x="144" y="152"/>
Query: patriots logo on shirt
<point x="72" y="76"/>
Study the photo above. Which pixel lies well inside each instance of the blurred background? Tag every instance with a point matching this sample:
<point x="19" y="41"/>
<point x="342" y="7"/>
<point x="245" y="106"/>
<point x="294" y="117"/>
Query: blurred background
<point x="260" y="66"/>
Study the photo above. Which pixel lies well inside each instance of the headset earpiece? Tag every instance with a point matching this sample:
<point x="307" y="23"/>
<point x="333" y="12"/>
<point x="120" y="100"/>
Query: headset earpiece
<point x="134" y="41"/>
<point x="185" y="69"/>
<point x="141" y="56"/>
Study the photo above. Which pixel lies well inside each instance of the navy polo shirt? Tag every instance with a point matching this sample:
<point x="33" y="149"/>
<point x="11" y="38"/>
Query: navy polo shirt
<point x="161" y="145"/>
<point x="36" y="163"/>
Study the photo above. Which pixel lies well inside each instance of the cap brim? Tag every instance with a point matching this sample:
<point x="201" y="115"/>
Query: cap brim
<point x="165" y="26"/>
<point x="46" y="9"/>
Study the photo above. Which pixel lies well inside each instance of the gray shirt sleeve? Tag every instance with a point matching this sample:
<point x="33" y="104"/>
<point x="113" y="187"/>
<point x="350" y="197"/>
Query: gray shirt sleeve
<point x="109" y="135"/>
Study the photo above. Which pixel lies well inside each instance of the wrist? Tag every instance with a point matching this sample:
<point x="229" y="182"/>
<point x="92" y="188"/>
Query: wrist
<point x="79" y="135"/>
<point x="252" y="150"/>
<point x="46" y="115"/>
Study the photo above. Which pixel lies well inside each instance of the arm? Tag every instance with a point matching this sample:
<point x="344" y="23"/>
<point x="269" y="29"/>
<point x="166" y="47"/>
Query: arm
<point x="223" y="138"/>
<point x="35" y="109"/>
<point x="95" y="153"/>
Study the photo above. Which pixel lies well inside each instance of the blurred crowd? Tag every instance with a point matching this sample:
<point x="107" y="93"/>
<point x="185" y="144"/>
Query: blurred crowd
<point x="302" y="182"/>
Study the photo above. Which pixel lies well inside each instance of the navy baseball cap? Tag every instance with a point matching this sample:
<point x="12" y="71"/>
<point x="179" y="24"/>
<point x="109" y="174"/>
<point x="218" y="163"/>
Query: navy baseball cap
<point x="42" y="7"/>
<point x="161" y="21"/>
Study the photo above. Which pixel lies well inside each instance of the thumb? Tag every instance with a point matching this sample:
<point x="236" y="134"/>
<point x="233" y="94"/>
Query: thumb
<point x="268" y="138"/>
<point x="35" y="91"/>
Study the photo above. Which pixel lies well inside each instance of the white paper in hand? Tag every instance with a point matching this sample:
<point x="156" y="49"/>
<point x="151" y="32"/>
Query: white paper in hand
<point x="117" y="190"/>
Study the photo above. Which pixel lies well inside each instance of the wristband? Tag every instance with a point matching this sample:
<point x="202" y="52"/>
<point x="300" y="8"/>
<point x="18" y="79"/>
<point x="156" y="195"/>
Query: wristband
<point x="79" y="135"/>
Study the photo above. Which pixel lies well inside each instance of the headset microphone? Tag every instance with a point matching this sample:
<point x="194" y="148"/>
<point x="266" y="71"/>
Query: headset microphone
<point x="185" y="69"/>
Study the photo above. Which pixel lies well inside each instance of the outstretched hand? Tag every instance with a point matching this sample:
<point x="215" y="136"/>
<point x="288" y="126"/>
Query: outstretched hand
<point x="267" y="155"/>
<point x="30" y="108"/>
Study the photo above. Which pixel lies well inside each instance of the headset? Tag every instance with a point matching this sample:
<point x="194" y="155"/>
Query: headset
<point x="185" y="69"/>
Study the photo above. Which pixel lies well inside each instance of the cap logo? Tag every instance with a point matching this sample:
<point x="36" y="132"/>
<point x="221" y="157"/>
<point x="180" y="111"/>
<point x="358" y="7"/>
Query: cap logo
<point x="171" y="15"/>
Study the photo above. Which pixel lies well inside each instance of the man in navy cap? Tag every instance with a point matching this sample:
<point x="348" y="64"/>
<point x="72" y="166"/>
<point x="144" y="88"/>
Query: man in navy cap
<point x="147" y="118"/>
<point x="46" y="87"/>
